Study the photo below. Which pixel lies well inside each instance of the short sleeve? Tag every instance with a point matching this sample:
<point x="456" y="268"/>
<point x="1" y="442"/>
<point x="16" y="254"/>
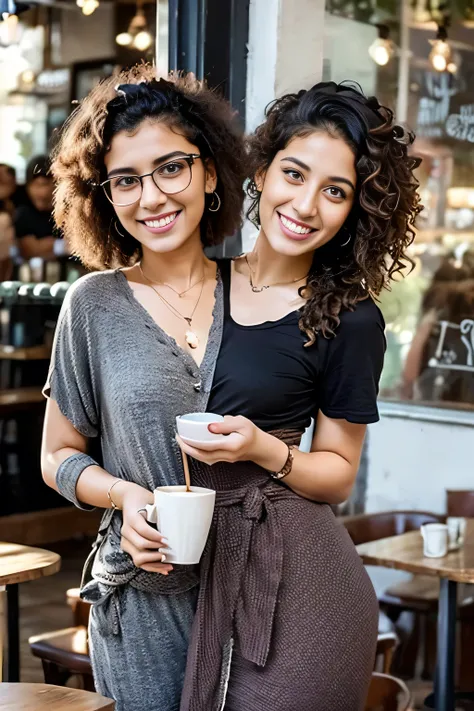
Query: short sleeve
<point x="353" y="364"/>
<point x="71" y="379"/>
<point x="22" y="220"/>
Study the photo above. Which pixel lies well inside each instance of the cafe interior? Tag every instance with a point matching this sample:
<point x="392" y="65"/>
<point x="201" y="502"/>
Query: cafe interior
<point x="411" y="513"/>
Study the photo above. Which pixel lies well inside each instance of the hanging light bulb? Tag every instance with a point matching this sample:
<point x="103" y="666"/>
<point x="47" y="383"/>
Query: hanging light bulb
<point x="124" y="39"/>
<point x="137" y="35"/>
<point x="87" y="6"/>
<point x="441" y="53"/>
<point x="382" y="49"/>
<point x="142" y="40"/>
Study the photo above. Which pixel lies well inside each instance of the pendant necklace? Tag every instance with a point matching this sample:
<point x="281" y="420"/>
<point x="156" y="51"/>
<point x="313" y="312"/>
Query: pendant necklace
<point x="259" y="289"/>
<point x="191" y="336"/>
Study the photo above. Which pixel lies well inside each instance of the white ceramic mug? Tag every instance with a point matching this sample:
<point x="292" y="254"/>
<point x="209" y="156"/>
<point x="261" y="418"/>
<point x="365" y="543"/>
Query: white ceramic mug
<point x="456" y="523"/>
<point x="453" y="532"/>
<point x="184" y="519"/>
<point x="435" y="540"/>
<point x="193" y="427"/>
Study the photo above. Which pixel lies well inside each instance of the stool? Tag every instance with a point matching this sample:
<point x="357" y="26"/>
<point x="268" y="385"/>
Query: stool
<point x="63" y="654"/>
<point x="387" y="693"/>
<point x="42" y="697"/>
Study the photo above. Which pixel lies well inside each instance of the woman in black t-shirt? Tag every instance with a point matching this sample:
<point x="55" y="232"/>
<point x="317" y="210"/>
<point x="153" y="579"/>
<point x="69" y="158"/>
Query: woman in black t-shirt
<point x="287" y="617"/>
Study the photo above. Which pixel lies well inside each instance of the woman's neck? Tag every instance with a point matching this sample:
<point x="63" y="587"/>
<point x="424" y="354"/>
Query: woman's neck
<point x="181" y="267"/>
<point x="271" y="267"/>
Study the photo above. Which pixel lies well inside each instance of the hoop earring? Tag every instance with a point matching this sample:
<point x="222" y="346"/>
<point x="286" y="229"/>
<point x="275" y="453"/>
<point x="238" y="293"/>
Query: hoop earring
<point x="344" y="244"/>
<point x="117" y="229"/>
<point x="215" y="209"/>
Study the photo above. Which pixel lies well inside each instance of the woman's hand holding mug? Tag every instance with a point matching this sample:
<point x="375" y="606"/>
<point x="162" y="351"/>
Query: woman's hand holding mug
<point x="142" y="542"/>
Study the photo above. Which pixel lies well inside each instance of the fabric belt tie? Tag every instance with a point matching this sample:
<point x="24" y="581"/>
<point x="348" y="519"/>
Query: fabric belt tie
<point x="240" y="578"/>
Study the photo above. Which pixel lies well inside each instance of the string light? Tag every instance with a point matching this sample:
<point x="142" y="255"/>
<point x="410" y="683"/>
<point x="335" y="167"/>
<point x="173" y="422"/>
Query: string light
<point x="137" y="35"/>
<point x="382" y="49"/>
<point x="441" y="54"/>
<point x="87" y="6"/>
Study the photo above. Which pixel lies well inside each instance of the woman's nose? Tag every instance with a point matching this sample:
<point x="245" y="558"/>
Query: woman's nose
<point x="151" y="196"/>
<point x="306" y="203"/>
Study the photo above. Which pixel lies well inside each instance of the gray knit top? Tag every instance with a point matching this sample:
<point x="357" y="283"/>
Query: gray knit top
<point x="117" y="375"/>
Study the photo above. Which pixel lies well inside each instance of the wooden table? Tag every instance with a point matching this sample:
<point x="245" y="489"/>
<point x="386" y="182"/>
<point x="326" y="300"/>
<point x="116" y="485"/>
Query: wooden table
<point x="42" y="352"/>
<point x="405" y="552"/>
<point x="46" y="697"/>
<point x="17" y="565"/>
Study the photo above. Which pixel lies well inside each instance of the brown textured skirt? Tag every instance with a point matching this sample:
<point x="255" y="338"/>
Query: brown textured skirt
<point x="287" y="616"/>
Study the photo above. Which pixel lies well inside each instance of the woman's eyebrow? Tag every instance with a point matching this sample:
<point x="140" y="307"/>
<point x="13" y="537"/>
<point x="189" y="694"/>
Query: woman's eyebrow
<point x="157" y="161"/>
<point x="298" y="162"/>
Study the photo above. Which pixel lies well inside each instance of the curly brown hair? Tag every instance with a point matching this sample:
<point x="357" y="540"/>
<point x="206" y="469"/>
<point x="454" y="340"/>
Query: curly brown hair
<point x="122" y="102"/>
<point x="380" y="225"/>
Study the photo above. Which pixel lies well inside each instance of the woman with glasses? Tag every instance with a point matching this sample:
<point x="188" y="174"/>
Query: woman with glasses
<point x="149" y="173"/>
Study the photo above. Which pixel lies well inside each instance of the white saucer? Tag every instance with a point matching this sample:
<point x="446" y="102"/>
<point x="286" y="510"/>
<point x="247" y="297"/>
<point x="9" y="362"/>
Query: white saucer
<point x="197" y="442"/>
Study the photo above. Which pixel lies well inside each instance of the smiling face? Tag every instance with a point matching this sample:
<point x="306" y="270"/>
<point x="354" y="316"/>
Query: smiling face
<point x="307" y="193"/>
<point x="160" y="222"/>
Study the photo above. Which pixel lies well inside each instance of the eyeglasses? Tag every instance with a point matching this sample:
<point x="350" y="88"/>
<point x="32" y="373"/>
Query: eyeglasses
<point x="171" y="178"/>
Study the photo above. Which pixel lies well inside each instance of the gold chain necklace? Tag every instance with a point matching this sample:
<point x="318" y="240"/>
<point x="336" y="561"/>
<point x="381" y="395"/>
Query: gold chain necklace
<point x="191" y="336"/>
<point x="259" y="289"/>
<point x="180" y="293"/>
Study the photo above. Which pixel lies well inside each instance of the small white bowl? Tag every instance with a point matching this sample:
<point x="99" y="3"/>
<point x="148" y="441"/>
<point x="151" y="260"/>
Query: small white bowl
<point x="193" y="427"/>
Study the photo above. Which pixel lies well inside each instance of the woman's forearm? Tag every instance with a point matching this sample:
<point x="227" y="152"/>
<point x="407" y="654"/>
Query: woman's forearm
<point x="320" y="476"/>
<point x="92" y="485"/>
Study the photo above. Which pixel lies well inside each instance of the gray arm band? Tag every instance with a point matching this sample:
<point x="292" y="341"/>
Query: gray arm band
<point x="68" y="474"/>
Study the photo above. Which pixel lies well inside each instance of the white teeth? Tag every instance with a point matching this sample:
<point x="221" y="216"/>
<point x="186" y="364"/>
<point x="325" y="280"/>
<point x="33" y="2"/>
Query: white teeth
<point x="297" y="229"/>
<point x="161" y="223"/>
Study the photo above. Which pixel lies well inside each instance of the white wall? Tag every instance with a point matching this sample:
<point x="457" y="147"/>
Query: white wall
<point x="411" y="463"/>
<point x="285" y="51"/>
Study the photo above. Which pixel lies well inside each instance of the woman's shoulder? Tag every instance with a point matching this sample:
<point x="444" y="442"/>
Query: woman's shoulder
<point x="93" y="290"/>
<point x="365" y="315"/>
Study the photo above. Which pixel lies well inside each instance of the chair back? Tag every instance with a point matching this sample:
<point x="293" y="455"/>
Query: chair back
<point x="365" y="528"/>
<point x="387" y="693"/>
<point x="460" y="502"/>
<point x="80" y="608"/>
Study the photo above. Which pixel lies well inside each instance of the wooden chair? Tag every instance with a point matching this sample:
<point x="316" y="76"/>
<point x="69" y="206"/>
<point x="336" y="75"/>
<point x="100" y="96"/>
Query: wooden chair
<point x="63" y="654"/>
<point x="42" y="697"/>
<point x="387" y="693"/>
<point x="386" y="645"/>
<point x="80" y="608"/>
<point x="419" y="595"/>
<point x="460" y="502"/>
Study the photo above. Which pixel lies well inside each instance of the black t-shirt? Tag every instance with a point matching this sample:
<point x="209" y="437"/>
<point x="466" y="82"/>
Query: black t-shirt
<point x="264" y="372"/>
<point x="30" y="221"/>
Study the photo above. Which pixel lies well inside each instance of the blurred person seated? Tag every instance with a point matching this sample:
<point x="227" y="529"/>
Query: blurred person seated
<point x="12" y="195"/>
<point x="34" y="224"/>
<point x="440" y="363"/>
<point x="7" y="239"/>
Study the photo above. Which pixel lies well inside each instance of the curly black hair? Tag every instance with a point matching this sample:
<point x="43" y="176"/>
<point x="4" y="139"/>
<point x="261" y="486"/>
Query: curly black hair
<point x="387" y="202"/>
<point x="122" y="102"/>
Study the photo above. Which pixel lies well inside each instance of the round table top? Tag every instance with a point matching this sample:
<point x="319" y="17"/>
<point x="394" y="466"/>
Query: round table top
<point x="405" y="552"/>
<point x="21" y="563"/>
<point x="46" y="697"/>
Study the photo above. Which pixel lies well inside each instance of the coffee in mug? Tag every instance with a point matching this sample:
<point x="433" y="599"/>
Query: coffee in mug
<point x="435" y="540"/>
<point x="184" y="519"/>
